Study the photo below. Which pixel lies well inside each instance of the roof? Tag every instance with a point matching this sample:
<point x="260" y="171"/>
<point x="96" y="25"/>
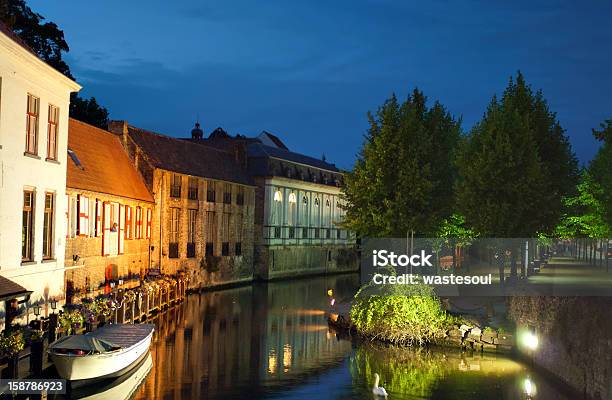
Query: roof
<point x="10" y="290"/>
<point x="261" y="150"/>
<point x="185" y="157"/>
<point x="15" y="38"/>
<point x="104" y="165"/>
<point x="269" y="139"/>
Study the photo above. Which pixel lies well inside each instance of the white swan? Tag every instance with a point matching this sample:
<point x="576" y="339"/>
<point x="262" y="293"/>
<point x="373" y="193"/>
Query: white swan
<point x="378" y="391"/>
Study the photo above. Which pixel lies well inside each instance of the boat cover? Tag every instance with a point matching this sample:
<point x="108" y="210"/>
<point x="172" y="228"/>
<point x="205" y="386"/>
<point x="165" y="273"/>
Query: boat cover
<point x="123" y="335"/>
<point x="86" y="343"/>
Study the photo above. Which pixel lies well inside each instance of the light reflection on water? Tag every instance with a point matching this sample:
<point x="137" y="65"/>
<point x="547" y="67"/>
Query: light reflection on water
<point x="272" y="341"/>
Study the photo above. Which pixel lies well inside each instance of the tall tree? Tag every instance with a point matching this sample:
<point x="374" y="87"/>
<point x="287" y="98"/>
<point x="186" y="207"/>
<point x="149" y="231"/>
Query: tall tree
<point x="403" y="179"/>
<point x="516" y="167"/>
<point x="48" y="42"/>
<point x="600" y="168"/>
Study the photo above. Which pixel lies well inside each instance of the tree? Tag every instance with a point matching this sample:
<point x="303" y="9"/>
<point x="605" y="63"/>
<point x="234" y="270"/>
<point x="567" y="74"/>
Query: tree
<point x="586" y="215"/>
<point x="600" y="168"/>
<point x="403" y="179"/>
<point x="516" y="167"/>
<point x="47" y="41"/>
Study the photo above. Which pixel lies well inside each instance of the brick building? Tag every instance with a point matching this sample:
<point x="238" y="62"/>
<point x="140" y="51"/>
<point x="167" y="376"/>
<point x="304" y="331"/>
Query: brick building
<point x="110" y="212"/>
<point x="204" y="207"/>
<point x="298" y="214"/>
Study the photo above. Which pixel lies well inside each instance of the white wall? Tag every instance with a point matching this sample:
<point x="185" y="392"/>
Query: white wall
<point x="22" y="73"/>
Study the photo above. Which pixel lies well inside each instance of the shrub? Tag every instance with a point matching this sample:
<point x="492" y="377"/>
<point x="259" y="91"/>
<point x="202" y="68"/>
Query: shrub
<point x="402" y="314"/>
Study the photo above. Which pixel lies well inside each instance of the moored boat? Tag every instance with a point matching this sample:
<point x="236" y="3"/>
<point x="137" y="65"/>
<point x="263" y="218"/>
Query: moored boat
<point x="104" y="353"/>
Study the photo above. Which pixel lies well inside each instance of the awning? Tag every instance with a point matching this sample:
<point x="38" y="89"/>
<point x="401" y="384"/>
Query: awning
<point x="86" y="343"/>
<point x="10" y="290"/>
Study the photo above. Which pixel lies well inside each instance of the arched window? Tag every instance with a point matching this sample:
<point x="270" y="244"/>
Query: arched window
<point x="316" y="202"/>
<point x="304" y="201"/>
<point x="292" y="198"/>
<point x="278" y="196"/>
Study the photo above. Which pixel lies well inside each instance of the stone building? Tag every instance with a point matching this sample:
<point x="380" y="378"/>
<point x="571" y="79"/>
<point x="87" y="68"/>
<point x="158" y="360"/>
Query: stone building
<point x="110" y="212"/>
<point x="298" y="211"/>
<point x="204" y="207"/>
<point x="34" y="103"/>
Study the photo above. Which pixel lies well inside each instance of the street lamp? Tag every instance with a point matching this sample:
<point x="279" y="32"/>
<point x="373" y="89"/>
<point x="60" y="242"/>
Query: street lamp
<point x="36" y="309"/>
<point x="53" y="303"/>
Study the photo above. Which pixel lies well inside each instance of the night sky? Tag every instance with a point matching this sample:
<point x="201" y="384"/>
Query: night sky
<point x="309" y="71"/>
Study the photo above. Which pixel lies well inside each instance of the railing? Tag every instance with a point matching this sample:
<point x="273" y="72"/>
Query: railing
<point x="125" y="306"/>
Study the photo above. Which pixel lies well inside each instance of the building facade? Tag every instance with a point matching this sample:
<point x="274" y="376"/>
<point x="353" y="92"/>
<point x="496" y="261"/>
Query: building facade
<point x="298" y="215"/>
<point x="110" y="213"/>
<point x="204" y="207"/>
<point x="34" y="103"/>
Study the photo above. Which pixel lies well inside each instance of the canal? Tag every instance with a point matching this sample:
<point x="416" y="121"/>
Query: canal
<point x="272" y="341"/>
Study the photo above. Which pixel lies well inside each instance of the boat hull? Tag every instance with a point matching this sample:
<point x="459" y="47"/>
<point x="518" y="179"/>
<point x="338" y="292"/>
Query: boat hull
<point x="103" y="365"/>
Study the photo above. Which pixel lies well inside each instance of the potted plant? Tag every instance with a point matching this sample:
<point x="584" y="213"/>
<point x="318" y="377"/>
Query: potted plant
<point x="11" y="343"/>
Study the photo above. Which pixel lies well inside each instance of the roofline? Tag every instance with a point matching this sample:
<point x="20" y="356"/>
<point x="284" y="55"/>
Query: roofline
<point x="204" y="177"/>
<point x="28" y="55"/>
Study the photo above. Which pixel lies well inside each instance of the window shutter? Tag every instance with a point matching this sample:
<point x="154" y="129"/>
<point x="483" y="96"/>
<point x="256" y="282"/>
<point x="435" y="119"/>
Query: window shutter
<point x="67" y="215"/>
<point x="121" y="228"/>
<point x="106" y="228"/>
<point x="98" y="218"/>
<point x="149" y="220"/>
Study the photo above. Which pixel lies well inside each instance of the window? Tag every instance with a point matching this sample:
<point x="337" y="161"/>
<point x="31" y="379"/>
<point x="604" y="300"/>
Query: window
<point x="238" y="235"/>
<point x="211" y="232"/>
<point x="174" y="232"/>
<point x="316" y="203"/>
<point x="305" y="233"/>
<point x="75" y="159"/>
<point x="83" y="215"/>
<point x="191" y="233"/>
<point x="238" y="248"/>
<point x="276" y="233"/>
<point x="240" y="196"/>
<point x="32" y="125"/>
<point x="225" y="234"/>
<point x="138" y="233"/>
<point x="328" y="233"/>
<point x="175" y="186"/>
<point x="210" y="192"/>
<point x="291" y="232"/>
<point x="192" y="192"/>
<point x="52" y="132"/>
<point x="48" y="226"/>
<point x="227" y="194"/>
<point x="128" y="223"/>
<point x="209" y="249"/>
<point x="99" y="209"/>
<point x="278" y="196"/>
<point x="149" y="223"/>
<point x="338" y="233"/>
<point x="27" y="228"/>
<point x="316" y="231"/>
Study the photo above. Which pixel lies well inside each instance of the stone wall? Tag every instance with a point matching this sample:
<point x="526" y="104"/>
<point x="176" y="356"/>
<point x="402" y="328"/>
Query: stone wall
<point x="204" y="270"/>
<point x="86" y="267"/>
<point x="575" y="339"/>
<point x="285" y="261"/>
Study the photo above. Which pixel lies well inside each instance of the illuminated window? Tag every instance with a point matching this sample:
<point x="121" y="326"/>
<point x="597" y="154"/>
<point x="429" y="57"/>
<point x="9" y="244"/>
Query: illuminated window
<point x="278" y="196"/>
<point x="292" y="198"/>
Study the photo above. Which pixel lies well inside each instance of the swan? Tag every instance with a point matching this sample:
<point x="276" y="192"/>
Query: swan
<point x="378" y="391"/>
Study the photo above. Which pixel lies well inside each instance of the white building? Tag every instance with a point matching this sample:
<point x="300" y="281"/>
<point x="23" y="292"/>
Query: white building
<point x="34" y="102"/>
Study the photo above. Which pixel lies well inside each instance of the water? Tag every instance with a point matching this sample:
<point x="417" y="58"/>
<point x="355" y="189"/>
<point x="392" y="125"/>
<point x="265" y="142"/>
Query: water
<point x="272" y="341"/>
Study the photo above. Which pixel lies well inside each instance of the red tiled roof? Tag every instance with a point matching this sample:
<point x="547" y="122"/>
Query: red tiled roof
<point x="105" y="166"/>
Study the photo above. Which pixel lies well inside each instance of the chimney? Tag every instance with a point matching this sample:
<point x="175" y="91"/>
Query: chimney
<point x="119" y="128"/>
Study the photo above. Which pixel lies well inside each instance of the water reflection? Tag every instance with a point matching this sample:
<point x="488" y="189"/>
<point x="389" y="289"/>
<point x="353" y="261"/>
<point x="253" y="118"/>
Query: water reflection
<point x="272" y="340"/>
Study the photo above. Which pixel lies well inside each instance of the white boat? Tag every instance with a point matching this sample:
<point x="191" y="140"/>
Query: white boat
<point x="105" y="353"/>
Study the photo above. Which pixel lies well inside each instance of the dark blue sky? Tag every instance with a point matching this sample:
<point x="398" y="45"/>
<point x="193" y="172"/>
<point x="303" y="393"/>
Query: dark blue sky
<point x="309" y="71"/>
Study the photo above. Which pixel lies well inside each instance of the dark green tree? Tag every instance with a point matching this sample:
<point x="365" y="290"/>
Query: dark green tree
<point x="600" y="168"/>
<point x="47" y="41"/>
<point x="403" y="179"/>
<point x="516" y="167"/>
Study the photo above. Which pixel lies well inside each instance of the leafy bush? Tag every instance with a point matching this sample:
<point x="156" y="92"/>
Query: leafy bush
<point x="11" y="342"/>
<point x="402" y="314"/>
